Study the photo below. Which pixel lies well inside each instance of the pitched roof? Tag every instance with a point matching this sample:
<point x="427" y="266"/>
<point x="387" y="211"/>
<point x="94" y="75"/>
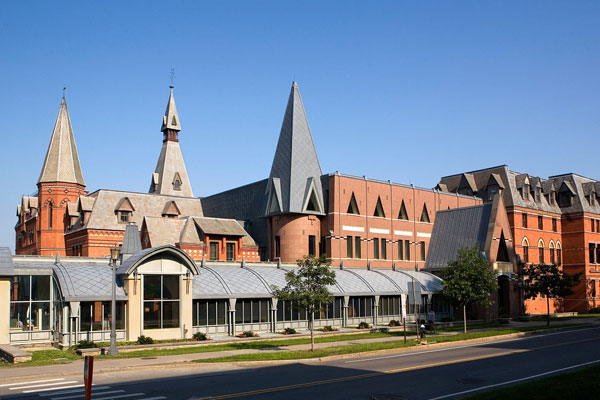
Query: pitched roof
<point x="103" y="214"/>
<point x="296" y="161"/>
<point x="132" y="243"/>
<point x="163" y="231"/>
<point x="171" y="166"/>
<point x="6" y="262"/>
<point x="62" y="162"/>
<point x="220" y="226"/>
<point x="459" y="228"/>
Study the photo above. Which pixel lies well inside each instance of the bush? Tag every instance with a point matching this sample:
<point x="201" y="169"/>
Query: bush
<point x="363" y="325"/>
<point x="86" y="344"/>
<point x="595" y="310"/>
<point x="246" y="334"/>
<point x="145" y="340"/>
<point x="200" y="336"/>
<point x="289" y="331"/>
<point x="329" y="328"/>
<point x="394" y="323"/>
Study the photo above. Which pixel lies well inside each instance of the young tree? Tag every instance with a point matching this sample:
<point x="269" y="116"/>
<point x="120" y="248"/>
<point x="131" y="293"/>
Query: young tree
<point x="548" y="280"/>
<point x="306" y="288"/>
<point x="468" y="280"/>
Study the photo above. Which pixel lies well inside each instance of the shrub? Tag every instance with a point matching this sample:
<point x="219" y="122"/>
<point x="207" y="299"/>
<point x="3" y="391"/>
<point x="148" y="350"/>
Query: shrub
<point x="363" y="325"/>
<point x="329" y="328"/>
<point x="394" y="323"/>
<point x="289" y="331"/>
<point x="86" y="344"/>
<point x="595" y="310"/>
<point x="246" y="334"/>
<point x="145" y="340"/>
<point x="199" y="336"/>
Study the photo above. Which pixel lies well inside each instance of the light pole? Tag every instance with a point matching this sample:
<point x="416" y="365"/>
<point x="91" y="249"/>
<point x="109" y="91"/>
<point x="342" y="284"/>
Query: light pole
<point x="114" y="256"/>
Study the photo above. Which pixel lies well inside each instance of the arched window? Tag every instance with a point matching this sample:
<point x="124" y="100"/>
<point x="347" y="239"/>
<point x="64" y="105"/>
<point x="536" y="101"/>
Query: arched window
<point x="558" y="253"/>
<point x="541" y="251"/>
<point x="525" y="245"/>
<point x="552" y="258"/>
<point x="50" y="209"/>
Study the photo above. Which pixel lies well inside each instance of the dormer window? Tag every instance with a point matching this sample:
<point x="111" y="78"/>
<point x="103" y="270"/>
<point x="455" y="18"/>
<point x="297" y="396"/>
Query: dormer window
<point x="124" y="210"/>
<point x="492" y="191"/>
<point x="537" y="194"/>
<point x="592" y="199"/>
<point x="177" y="182"/>
<point x="564" y="199"/>
<point x="124" y="216"/>
<point x="552" y="197"/>
<point x="525" y="192"/>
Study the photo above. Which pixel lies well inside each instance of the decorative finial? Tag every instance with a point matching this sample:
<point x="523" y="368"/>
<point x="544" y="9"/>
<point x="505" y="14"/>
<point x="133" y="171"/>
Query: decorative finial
<point x="64" y="90"/>
<point x="172" y="76"/>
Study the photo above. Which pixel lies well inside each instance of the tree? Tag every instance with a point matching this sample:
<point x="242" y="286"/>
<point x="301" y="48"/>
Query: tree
<point x="468" y="280"/>
<point x="306" y="289"/>
<point x="548" y="280"/>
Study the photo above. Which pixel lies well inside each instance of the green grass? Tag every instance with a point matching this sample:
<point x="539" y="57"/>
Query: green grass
<point x="46" y="357"/>
<point x="582" y="384"/>
<point x="578" y="316"/>
<point x="365" y="347"/>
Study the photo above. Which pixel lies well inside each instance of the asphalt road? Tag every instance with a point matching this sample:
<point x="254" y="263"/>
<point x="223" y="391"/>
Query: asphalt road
<point x="444" y="373"/>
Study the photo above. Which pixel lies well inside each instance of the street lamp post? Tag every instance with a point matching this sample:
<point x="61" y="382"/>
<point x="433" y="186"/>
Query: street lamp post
<point x="114" y="256"/>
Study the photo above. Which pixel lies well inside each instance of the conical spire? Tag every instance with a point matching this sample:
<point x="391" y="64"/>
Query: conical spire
<point x="62" y="162"/>
<point x="296" y="172"/>
<point x="170" y="176"/>
<point x="171" y="119"/>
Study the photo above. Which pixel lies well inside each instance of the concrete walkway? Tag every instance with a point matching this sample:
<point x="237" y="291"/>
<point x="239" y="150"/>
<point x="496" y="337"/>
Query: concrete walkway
<point x="16" y="373"/>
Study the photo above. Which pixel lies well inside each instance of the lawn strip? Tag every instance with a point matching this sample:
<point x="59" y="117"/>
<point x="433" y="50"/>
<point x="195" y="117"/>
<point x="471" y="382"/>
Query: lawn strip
<point x="583" y="381"/>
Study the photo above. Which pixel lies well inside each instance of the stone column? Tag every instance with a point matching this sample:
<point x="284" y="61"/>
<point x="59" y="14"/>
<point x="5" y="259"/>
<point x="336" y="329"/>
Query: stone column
<point x="186" y="308"/>
<point x="231" y="324"/>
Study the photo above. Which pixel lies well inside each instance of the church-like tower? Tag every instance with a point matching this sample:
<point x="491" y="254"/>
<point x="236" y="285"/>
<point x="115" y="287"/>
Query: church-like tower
<point x="170" y="176"/>
<point x="41" y="225"/>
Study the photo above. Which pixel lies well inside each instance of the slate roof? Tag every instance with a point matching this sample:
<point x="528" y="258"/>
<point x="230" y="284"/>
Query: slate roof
<point x="103" y="215"/>
<point x="220" y="226"/>
<point x="86" y="282"/>
<point x="296" y="161"/>
<point x="454" y="229"/>
<point x="6" y="262"/>
<point x="162" y="231"/>
<point x="62" y="162"/>
<point x="131" y="240"/>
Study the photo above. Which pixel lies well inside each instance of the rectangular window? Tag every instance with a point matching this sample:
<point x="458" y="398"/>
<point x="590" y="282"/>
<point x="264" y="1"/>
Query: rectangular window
<point x="312" y="248"/>
<point x="161" y="301"/>
<point x="214" y="251"/>
<point x="524" y="216"/>
<point x="592" y="250"/>
<point x="552" y="260"/>
<point x="389" y="306"/>
<point x="541" y="252"/>
<point x="540" y="222"/>
<point x="558" y="257"/>
<point x="349" y="245"/>
<point x="407" y="250"/>
<point x="384" y="249"/>
<point x="277" y="247"/>
<point x="400" y="249"/>
<point x="322" y="246"/>
<point x="422" y="245"/>
<point x="357" y="248"/>
<point x="525" y="253"/>
<point x="230" y="251"/>
<point x="124" y="216"/>
<point x="593" y="288"/>
<point x="598" y="254"/>
<point x="554" y="225"/>
<point x="376" y="248"/>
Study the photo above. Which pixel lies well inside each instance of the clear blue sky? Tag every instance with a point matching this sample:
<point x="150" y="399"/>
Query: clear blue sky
<point x="407" y="91"/>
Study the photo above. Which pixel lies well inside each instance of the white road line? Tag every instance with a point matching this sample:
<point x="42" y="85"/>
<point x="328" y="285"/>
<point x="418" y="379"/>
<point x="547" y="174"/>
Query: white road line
<point x="95" y="388"/>
<point x="83" y="394"/>
<point x="27" y="383"/>
<point x="119" y="397"/>
<point x="55" y="388"/>
<point x="412" y="353"/>
<point x="43" y="385"/>
<point x="515" y="380"/>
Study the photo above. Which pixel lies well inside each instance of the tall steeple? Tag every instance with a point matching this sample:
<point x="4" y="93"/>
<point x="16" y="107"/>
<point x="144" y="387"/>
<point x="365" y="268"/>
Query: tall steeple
<point x="62" y="162"/>
<point x="170" y="176"/>
<point x="295" y="178"/>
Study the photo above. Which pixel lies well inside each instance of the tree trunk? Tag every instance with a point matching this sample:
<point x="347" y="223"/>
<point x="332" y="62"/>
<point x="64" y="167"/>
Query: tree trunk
<point x="310" y="328"/>
<point x="547" y="310"/>
<point x="464" y="318"/>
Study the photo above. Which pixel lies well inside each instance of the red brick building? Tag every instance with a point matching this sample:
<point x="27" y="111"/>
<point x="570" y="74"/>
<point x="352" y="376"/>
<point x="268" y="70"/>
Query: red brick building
<point x="554" y="220"/>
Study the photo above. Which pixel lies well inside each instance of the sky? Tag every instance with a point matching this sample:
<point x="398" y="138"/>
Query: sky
<point x="408" y="91"/>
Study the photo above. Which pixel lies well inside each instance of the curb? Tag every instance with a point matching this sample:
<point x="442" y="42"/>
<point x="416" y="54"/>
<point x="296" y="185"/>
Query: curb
<point x="200" y="364"/>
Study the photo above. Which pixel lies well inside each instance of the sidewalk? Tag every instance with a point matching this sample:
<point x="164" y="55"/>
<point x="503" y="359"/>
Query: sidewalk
<point x="12" y="374"/>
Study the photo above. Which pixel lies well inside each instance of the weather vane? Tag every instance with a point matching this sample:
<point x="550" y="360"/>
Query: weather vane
<point x="172" y="75"/>
<point x="64" y="89"/>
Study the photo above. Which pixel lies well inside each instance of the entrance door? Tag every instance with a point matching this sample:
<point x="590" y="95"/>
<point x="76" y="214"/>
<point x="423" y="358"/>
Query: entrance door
<point x="503" y="296"/>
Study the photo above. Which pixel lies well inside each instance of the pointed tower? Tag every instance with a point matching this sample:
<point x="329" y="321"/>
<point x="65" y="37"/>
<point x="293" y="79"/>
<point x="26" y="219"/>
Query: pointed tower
<point x="294" y="193"/>
<point x="60" y="182"/>
<point x="170" y="176"/>
<point x="295" y="179"/>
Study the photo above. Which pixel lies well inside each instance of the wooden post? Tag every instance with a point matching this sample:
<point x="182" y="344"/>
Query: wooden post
<point x="88" y="374"/>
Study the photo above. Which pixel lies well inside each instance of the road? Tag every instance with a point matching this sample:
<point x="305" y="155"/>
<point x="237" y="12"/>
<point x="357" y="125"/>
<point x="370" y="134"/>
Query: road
<point x="443" y="373"/>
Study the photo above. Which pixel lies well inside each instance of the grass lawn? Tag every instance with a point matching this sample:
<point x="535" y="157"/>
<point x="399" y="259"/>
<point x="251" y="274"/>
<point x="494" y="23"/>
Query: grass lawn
<point x="579" y="316"/>
<point x="581" y="384"/>
<point x="364" y="347"/>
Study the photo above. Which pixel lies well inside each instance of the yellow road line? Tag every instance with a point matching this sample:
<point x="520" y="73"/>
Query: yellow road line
<point x="390" y="371"/>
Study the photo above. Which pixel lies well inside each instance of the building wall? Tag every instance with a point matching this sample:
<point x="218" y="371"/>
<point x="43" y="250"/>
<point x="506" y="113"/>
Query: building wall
<point x="4" y="309"/>
<point x="390" y="227"/>
<point x="293" y="231"/>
